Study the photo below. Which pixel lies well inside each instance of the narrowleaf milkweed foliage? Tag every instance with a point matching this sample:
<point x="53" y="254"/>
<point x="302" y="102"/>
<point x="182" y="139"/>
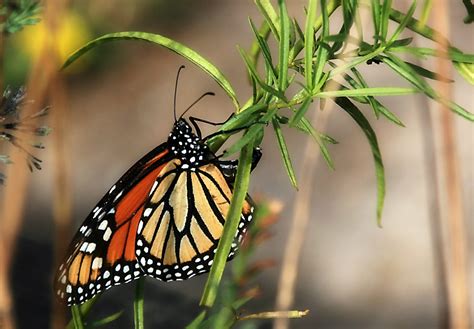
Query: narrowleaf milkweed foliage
<point x="314" y="60"/>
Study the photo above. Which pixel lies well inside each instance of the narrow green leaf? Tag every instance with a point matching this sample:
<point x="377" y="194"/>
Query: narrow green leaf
<point x="427" y="73"/>
<point x="295" y="119"/>
<point x="403" y="23"/>
<point x="374" y="103"/>
<point x="322" y="52"/>
<point x="355" y="62"/>
<point x="425" y="12"/>
<point x="285" y="155"/>
<point x="384" y="14"/>
<point x="306" y="125"/>
<point x="385" y="112"/>
<point x="360" y="119"/>
<point x="416" y="26"/>
<point x="284" y="46"/>
<point x="265" y="50"/>
<point x="266" y="9"/>
<point x="196" y="323"/>
<point x="349" y="14"/>
<point x="452" y="54"/>
<point x="170" y="44"/>
<point x="466" y="71"/>
<point x="254" y="51"/>
<point x="378" y="91"/>
<point x="400" y="43"/>
<point x="375" y="5"/>
<point x="309" y="43"/>
<point x="108" y="319"/>
<point x="81" y="312"/>
<point x="230" y="227"/>
<point x="254" y="73"/>
<point x="242" y="142"/>
<point x="405" y="71"/>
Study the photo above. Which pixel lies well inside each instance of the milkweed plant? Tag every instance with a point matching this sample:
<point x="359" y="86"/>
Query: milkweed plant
<point x="291" y="65"/>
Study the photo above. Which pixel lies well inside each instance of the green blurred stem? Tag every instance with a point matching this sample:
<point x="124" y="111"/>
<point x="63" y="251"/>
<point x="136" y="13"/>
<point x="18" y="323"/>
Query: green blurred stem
<point x="77" y="317"/>
<point x="138" y="304"/>
<point x="82" y="310"/>
<point x="232" y="222"/>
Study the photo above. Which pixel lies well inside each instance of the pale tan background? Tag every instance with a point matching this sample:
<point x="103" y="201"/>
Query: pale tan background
<point x="352" y="274"/>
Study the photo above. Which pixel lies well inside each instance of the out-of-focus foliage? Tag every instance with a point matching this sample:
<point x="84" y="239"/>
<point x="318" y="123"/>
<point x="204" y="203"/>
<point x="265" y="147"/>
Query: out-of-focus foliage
<point x="18" y="14"/>
<point x="14" y="128"/>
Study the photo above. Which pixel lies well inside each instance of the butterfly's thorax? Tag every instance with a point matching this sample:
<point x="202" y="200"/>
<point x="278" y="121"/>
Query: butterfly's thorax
<point x="187" y="146"/>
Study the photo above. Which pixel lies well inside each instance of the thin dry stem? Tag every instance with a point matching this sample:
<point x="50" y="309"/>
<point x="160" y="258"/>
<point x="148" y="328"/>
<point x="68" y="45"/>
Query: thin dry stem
<point x="456" y="244"/>
<point x="299" y="224"/>
<point x="296" y="314"/>
<point x="62" y="203"/>
<point x="300" y="217"/>
<point x="433" y="204"/>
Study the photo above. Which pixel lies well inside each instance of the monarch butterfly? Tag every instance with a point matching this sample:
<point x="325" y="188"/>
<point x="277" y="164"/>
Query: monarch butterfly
<point x="163" y="218"/>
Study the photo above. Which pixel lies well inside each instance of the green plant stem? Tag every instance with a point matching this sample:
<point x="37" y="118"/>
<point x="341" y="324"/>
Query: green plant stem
<point x="84" y="310"/>
<point x="138" y="304"/>
<point x="230" y="227"/>
<point x="77" y="317"/>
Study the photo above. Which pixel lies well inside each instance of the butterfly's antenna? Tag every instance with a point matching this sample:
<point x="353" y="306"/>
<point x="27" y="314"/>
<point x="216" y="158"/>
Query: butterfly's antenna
<point x="209" y="93"/>
<point x="176" y="91"/>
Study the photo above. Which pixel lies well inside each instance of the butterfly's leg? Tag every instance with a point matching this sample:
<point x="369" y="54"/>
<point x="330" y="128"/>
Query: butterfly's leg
<point x="195" y="120"/>
<point x="229" y="167"/>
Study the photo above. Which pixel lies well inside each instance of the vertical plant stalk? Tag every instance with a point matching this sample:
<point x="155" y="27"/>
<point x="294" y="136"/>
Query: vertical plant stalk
<point x="138" y="304"/>
<point x="62" y="199"/>
<point x="456" y="245"/>
<point x="299" y="224"/>
<point x="230" y="227"/>
<point x="77" y="317"/>
<point x="433" y="201"/>
<point x="434" y="212"/>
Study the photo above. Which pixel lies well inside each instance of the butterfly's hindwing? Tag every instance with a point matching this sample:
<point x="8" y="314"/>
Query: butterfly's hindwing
<point x="183" y="222"/>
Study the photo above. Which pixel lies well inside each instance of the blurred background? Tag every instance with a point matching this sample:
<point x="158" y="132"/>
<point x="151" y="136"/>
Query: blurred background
<point x="116" y="105"/>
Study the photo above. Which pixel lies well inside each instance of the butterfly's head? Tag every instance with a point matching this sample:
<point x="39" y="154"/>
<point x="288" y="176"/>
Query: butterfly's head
<point x="185" y="145"/>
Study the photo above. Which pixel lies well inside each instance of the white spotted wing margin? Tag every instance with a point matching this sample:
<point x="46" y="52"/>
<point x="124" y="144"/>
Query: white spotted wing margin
<point x="183" y="221"/>
<point x="87" y="269"/>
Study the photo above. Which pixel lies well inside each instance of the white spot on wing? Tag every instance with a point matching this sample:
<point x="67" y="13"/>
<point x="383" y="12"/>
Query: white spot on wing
<point x="103" y="225"/>
<point x="107" y="234"/>
<point x="147" y="212"/>
<point x="97" y="263"/>
<point x="90" y="248"/>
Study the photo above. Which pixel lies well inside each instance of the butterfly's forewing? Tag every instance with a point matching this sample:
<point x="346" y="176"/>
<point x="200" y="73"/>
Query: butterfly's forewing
<point x="102" y="253"/>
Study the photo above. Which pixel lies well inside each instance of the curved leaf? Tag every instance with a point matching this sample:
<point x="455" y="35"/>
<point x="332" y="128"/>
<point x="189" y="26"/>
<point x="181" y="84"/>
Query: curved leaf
<point x="360" y="119"/>
<point x="170" y="44"/>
